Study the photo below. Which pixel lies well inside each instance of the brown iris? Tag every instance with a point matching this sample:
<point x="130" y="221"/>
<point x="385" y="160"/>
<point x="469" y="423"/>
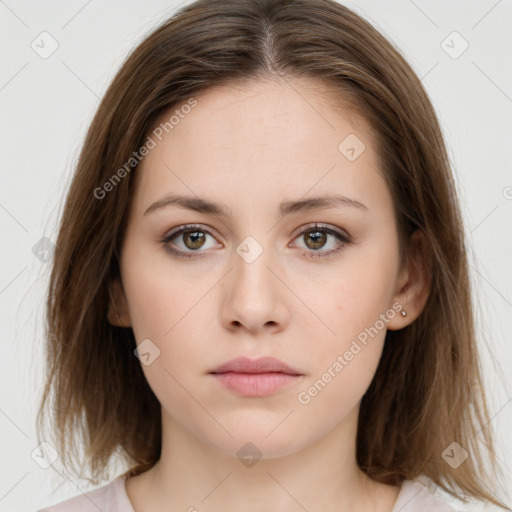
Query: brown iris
<point x="317" y="236"/>
<point x="196" y="239"/>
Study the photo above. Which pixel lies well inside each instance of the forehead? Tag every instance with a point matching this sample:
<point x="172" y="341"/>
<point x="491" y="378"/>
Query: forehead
<point x="246" y="141"/>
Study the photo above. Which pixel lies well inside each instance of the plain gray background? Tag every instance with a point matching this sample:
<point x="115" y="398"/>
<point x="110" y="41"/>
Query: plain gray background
<point x="47" y="103"/>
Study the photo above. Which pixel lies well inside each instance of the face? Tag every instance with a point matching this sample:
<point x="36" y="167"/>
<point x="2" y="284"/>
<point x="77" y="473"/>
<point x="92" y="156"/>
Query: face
<point x="312" y="284"/>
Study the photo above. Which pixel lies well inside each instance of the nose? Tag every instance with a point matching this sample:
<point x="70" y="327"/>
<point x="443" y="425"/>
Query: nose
<point x="254" y="296"/>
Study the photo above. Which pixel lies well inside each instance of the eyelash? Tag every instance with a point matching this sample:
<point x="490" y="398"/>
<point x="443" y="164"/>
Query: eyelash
<point x="343" y="240"/>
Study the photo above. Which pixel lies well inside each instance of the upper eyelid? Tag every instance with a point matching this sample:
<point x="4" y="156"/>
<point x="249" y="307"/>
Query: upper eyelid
<point x="322" y="226"/>
<point x="185" y="227"/>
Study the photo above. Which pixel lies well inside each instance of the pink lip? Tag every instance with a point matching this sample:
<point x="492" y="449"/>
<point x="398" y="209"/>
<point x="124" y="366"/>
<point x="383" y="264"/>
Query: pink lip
<point x="260" y="365"/>
<point x="258" y="377"/>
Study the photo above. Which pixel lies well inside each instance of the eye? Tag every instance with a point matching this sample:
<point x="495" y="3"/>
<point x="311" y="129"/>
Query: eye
<point x="317" y="237"/>
<point x="190" y="239"/>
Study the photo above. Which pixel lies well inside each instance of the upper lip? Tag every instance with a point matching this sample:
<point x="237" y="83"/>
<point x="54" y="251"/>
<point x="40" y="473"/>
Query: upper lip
<point x="260" y="365"/>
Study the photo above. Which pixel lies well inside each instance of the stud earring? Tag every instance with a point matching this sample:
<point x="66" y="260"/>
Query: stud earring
<point x="403" y="313"/>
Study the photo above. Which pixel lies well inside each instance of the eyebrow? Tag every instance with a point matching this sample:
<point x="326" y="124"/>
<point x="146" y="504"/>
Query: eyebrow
<point x="205" y="206"/>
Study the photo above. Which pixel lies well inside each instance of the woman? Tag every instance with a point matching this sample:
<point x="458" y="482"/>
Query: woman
<point x="260" y="294"/>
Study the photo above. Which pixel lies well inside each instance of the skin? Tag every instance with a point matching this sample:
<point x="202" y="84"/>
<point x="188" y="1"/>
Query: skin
<point x="252" y="147"/>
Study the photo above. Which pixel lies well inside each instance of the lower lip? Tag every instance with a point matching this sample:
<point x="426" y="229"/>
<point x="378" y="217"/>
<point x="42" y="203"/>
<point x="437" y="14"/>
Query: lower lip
<point x="255" y="384"/>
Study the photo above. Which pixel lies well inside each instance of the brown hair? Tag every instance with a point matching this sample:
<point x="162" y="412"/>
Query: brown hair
<point x="427" y="391"/>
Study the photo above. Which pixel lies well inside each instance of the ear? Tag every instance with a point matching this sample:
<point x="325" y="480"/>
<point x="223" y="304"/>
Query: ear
<point x="413" y="285"/>
<point x="118" y="313"/>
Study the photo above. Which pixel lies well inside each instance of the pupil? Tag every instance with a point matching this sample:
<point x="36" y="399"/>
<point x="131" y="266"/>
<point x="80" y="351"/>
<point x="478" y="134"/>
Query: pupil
<point x="318" y="238"/>
<point x="197" y="239"/>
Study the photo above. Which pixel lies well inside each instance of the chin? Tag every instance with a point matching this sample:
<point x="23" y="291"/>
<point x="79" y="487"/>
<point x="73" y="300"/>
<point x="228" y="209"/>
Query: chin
<point x="256" y="443"/>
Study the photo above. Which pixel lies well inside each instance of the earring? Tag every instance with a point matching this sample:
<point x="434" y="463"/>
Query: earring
<point x="403" y="313"/>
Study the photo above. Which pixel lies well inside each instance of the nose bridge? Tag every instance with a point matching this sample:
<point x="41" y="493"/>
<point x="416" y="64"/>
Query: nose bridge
<point x="253" y="297"/>
<point x="251" y="261"/>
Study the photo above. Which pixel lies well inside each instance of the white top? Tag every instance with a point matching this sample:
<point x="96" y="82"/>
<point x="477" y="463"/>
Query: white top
<point x="112" y="497"/>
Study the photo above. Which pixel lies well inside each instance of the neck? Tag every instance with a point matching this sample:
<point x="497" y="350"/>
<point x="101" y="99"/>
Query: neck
<point x="192" y="475"/>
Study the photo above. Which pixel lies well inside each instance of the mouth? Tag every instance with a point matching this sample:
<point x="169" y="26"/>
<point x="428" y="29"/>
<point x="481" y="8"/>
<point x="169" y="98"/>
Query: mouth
<point x="255" y="378"/>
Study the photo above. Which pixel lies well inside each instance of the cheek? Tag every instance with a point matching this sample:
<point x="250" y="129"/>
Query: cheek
<point x="153" y="305"/>
<point x="167" y="307"/>
<point x="158" y="296"/>
<point x="343" y="365"/>
<point x="164" y="310"/>
<point x="366" y="284"/>
<point x="356" y="307"/>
